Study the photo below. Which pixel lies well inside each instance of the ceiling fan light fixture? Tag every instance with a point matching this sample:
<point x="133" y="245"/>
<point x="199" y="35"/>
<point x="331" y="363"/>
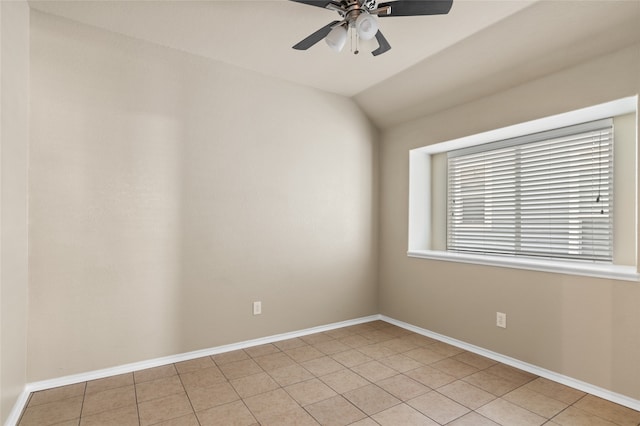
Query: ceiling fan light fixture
<point x="366" y="26"/>
<point x="337" y="38"/>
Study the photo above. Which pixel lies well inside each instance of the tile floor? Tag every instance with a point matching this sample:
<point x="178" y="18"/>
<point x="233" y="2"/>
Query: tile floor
<point x="367" y="374"/>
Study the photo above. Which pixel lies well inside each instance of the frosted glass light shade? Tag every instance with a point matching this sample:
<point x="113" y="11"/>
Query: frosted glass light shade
<point x="367" y="26"/>
<point x="336" y="38"/>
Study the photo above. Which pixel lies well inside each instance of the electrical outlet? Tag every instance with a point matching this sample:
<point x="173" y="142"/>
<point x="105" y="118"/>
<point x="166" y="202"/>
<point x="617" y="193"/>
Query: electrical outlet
<point x="501" y="319"/>
<point x="257" y="308"/>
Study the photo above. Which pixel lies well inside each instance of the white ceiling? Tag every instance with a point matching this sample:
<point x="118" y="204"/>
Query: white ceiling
<point x="435" y="61"/>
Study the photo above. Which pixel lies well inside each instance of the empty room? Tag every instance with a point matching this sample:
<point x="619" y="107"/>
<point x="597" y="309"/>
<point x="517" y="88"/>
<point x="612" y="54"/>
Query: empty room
<point x="279" y="212"/>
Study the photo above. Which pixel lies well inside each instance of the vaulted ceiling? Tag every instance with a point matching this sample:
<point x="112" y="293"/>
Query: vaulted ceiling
<point x="436" y="62"/>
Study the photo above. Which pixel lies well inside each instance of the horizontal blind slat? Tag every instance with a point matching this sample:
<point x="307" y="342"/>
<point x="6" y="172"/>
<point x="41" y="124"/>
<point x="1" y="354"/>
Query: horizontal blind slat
<point x="535" y="196"/>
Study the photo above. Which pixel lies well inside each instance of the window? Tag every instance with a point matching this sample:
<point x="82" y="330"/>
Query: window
<point x="542" y="195"/>
<point x="538" y="195"/>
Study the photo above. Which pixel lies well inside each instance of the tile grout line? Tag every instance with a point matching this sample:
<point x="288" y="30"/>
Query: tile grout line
<point x="187" y="393"/>
<point x="502" y="373"/>
<point x="135" y="395"/>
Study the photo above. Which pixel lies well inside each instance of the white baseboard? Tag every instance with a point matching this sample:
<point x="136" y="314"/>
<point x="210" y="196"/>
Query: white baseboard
<point x="17" y="409"/>
<point x="634" y="404"/>
<point x="20" y="404"/>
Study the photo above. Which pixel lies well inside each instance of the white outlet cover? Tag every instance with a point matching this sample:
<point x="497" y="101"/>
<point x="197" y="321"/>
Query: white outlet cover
<point x="501" y="319"/>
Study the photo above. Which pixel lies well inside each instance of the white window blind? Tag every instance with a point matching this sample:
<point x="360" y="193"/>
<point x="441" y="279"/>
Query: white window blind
<point x="543" y="195"/>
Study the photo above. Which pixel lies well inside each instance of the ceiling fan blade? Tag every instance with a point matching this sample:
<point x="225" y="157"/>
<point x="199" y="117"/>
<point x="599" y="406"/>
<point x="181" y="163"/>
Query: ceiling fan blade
<point x="417" y="7"/>
<point x="315" y="37"/>
<point x="384" y="45"/>
<point x="319" y="3"/>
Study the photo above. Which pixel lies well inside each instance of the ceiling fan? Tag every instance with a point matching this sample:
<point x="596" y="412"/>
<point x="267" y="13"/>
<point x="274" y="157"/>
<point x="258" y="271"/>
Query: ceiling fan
<point x="359" y="15"/>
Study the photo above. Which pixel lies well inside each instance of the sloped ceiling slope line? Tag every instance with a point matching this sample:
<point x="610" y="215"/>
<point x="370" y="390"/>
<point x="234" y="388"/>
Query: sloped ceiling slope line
<point x="543" y="39"/>
<point x="258" y="35"/>
<point x="436" y="62"/>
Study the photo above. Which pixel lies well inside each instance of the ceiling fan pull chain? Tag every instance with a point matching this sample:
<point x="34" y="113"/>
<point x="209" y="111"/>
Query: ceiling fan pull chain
<point x="355" y="52"/>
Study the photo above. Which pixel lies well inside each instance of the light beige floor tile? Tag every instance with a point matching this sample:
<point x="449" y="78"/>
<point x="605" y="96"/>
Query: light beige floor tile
<point x="203" y="378"/>
<point x="304" y="353"/>
<point x="296" y="417"/>
<point x="163" y="409"/>
<point x="452" y="367"/>
<point x="466" y="394"/>
<point x="290" y="375"/>
<point x="310" y="392"/>
<point x="154" y="373"/>
<point x="401" y="363"/>
<point x="576" y="417"/>
<point x="237" y="369"/>
<point x="270" y="404"/>
<point x="555" y="390"/>
<point x="296" y="342"/>
<point x="335" y="411"/>
<point x="108" y="400"/>
<point x="107" y="383"/>
<point x="403" y="387"/>
<point x="228" y="357"/>
<point x="377" y="336"/>
<point x="253" y="385"/>
<point x="512" y="374"/>
<point x="377" y="351"/>
<point x="376" y="364"/>
<point x="126" y="416"/>
<point x="218" y="394"/>
<point x="491" y="383"/>
<point x="344" y="380"/>
<point x="475" y="360"/>
<point x="234" y="413"/>
<point x="609" y="410"/>
<point x="374" y="371"/>
<point x="438" y="407"/>
<point x="57" y="394"/>
<point x="274" y="361"/>
<point x="506" y="413"/>
<point x="261" y="350"/>
<point x="446" y="349"/>
<point x="379" y="324"/>
<point x="355" y="341"/>
<point x="194" y="365"/>
<point x="362" y="328"/>
<point x="371" y="399"/>
<point x="339" y="333"/>
<point x="331" y="347"/>
<point x="430" y="376"/>
<point x="351" y="358"/>
<point x="424" y="355"/>
<point x="365" y="422"/>
<point x="399" y="345"/>
<point x="537" y="403"/>
<point x="74" y="422"/>
<point x="396" y="331"/>
<point x="52" y="412"/>
<point x="322" y="366"/>
<point x="473" y="419"/>
<point x="403" y="415"/>
<point x="188" y="420"/>
<point x="313" y="339"/>
<point x="419" y="340"/>
<point x="158" y="388"/>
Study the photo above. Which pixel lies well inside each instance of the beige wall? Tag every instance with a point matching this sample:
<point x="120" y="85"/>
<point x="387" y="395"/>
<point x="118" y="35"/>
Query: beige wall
<point x="14" y="140"/>
<point x="585" y="328"/>
<point x="168" y="192"/>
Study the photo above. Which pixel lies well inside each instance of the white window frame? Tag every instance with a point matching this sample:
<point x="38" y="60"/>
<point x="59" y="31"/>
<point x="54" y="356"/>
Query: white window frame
<point x="420" y="195"/>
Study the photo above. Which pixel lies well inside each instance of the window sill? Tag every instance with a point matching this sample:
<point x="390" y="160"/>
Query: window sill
<point x="616" y="272"/>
